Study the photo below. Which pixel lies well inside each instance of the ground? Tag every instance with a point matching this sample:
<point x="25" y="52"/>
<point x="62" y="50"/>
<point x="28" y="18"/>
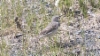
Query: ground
<point x="77" y="34"/>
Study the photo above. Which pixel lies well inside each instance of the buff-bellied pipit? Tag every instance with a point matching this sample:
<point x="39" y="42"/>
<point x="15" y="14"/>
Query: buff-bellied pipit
<point x="51" y="28"/>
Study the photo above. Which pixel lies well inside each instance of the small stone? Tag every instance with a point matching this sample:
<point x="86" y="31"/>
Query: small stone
<point x="18" y="35"/>
<point x="98" y="37"/>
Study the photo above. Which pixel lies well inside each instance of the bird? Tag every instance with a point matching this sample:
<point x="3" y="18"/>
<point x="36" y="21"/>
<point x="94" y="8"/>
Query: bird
<point x="51" y="28"/>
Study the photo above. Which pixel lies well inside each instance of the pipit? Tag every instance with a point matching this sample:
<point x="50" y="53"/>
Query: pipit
<point x="51" y="28"/>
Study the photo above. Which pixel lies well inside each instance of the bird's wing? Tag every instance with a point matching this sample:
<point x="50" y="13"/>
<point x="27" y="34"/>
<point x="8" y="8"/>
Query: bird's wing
<point x="49" y="28"/>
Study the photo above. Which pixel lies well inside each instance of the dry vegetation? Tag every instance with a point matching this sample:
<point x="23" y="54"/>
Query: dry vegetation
<point x="78" y="35"/>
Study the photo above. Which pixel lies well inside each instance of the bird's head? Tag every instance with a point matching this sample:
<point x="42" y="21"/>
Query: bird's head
<point x="56" y="18"/>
